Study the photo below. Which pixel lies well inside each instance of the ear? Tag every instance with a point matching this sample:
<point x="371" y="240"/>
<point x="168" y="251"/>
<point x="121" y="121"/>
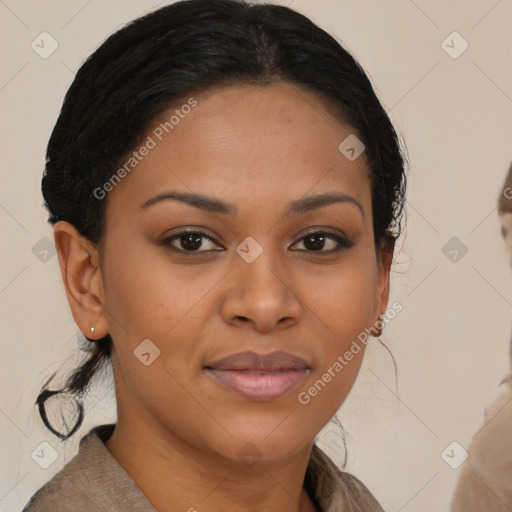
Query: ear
<point x="384" y="261"/>
<point x="81" y="274"/>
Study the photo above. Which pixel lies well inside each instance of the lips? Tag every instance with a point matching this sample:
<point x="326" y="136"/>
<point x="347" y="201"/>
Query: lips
<point x="259" y="377"/>
<point x="275" y="361"/>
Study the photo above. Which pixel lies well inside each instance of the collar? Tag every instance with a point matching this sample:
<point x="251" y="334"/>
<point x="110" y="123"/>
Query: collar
<point x="330" y="489"/>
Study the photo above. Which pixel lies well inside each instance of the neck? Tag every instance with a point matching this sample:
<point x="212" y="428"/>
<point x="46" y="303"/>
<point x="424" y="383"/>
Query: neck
<point x="176" y="476"/>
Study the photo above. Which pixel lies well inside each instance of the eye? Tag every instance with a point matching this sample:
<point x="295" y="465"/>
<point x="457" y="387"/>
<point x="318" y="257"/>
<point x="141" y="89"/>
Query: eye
<point x="189" y="241"/>
<point x="315" y="241"/>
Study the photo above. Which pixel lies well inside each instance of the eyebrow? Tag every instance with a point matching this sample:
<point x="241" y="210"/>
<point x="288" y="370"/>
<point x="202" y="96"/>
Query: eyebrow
<point x="214" y="205"/>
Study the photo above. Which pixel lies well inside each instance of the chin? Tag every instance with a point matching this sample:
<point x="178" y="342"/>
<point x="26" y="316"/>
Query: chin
<point x="265" y="441"/>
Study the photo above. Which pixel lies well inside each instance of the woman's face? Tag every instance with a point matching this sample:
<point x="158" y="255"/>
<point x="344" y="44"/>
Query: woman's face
<point x="272" y="270"/>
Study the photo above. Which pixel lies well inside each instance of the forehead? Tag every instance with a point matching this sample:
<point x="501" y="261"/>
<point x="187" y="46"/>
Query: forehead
<point x="245" y="142"/>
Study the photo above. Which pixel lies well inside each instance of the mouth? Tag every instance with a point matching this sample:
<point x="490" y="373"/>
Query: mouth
<point x="259" y="377"/>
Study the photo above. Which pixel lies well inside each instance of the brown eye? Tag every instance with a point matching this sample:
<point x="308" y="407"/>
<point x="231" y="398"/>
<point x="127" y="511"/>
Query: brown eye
<point x="316" y="241"/>
<point x="198" y="241"/>
<point x="189" y="241"/>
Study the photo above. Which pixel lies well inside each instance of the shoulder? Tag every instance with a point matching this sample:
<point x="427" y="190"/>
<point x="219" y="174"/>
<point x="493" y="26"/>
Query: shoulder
<point x="61" y="494"/>
<point x="489" y="461"/>
<point x="85" y="483"/>
<point x="65" y="490"/>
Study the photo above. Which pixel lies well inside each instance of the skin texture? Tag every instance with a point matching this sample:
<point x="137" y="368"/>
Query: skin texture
<point x="179" y="432"/>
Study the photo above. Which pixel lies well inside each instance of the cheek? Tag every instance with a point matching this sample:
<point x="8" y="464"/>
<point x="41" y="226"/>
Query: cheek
<point x="345" y="307"/>
<point x="345" y="316"/>
<point x="145" y="294"/>
<point x="147" y="298"/>
<point x="343" y="304"/>
<point x="342" y="298"/>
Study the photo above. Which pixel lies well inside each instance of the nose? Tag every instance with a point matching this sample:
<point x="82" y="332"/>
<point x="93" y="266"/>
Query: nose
<point x="260" y="295"/>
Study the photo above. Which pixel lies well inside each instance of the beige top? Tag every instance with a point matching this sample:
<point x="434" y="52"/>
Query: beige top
<point x="94" y="481"/>
<point x="485" y="480"/>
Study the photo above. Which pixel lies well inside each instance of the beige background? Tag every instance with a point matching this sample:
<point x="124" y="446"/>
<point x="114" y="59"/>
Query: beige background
<point x="451" y="339"/>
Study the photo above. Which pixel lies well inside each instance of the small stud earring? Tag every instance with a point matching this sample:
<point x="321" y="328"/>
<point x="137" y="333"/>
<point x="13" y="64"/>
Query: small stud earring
<point x="89" y="339"/>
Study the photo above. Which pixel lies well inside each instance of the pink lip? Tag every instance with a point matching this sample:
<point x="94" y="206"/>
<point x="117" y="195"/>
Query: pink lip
<point x="259" y="377"/>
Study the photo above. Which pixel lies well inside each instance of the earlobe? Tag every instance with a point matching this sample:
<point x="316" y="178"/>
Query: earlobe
<point x="81" y="275"/>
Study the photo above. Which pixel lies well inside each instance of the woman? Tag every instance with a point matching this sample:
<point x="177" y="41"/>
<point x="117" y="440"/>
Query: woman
<point x="485" y="479"/>
<point x="226" y="191"/>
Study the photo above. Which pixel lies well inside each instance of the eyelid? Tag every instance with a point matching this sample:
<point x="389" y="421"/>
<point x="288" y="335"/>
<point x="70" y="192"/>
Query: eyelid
<point x="342" y="240"/>
<point x="166" y="241"/>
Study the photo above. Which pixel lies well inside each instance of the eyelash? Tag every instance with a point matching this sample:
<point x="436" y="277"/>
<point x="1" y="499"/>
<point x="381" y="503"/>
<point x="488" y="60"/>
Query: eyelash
<point x="342" y="242"/>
